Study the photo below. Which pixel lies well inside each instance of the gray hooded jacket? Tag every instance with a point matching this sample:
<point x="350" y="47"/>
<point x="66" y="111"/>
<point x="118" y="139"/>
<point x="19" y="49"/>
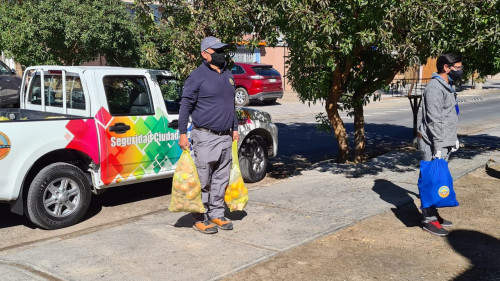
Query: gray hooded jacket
<point x="439" y="116"/>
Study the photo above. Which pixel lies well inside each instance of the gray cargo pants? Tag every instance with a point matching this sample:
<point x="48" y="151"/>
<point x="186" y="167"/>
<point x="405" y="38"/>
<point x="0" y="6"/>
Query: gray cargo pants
<point x="429" y="214"/>
<point x="212" y="157"/>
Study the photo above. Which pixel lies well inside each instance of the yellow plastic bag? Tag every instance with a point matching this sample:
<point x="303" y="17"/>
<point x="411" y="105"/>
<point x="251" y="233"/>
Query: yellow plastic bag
<point x="236" y="196"/>
<point x="186" y="187"/>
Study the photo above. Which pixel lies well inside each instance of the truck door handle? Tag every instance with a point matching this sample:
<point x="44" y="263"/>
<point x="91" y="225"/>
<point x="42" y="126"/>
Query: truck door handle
<point x="119" y="128"/>
<point x="174" y="124"/>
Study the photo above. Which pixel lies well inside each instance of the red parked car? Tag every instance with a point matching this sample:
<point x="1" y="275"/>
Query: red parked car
<point x="255" y="81"/>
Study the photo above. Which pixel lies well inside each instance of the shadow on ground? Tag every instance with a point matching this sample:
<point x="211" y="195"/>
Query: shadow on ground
<point x="112" y="197"/>
<point x="493" y="169"/>
<point x="10" y="219"/>
<point x="482" y="251"/>
<point x="188" y="221"/>
<point x="302" y="146"/>
<point x="404" y="206"/>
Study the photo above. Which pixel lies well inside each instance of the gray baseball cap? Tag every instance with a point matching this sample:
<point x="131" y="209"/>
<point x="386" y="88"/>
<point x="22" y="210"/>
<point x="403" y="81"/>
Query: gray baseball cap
<point x="211" y="42"/>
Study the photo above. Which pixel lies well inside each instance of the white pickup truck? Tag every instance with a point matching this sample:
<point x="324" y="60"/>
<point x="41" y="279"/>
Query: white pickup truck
<point x="81" y="130"/>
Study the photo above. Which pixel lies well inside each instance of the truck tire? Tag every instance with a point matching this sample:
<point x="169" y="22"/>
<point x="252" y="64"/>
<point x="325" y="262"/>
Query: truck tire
<point x="241" y="97"/>
<point x="253" y="159"/>
<point x="58" y="196"/>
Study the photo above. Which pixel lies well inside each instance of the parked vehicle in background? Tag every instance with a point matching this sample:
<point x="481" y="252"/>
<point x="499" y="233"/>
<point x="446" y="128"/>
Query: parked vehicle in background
<point x="255" y="81"/>
<point x="10" y="84"/>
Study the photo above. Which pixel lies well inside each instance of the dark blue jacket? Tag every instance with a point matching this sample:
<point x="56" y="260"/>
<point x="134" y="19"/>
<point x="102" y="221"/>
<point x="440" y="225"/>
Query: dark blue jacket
<point x="209" y="97"/>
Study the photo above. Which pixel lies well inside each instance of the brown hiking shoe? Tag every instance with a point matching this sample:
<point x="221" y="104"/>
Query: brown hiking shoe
<point x="205" y="227"/>
<point x="223" y="223"/>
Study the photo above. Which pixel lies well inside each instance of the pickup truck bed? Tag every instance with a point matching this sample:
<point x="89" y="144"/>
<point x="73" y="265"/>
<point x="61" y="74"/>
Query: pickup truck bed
<point x="16" y="114"/>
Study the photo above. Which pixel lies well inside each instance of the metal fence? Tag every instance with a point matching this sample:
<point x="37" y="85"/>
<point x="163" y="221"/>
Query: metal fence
<point x="243" y="54"/>
<point x="408" y="87"/>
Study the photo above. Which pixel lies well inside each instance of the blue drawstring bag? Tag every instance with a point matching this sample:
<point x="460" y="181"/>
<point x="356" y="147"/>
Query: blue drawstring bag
<point x="435" y="184"/>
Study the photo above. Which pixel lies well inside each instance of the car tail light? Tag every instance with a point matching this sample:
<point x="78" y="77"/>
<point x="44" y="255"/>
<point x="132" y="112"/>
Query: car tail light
<point x="256" y="77"/>
<point x="55" y="71"/>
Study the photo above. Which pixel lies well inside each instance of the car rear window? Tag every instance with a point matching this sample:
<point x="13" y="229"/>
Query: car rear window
<point x="237" y="69"/>
<point x="265" y="71"/>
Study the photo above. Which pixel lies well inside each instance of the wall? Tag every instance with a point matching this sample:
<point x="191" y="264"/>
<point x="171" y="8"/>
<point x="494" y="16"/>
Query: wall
<point x="428" y="68"/>
<point x="276" y="57"/>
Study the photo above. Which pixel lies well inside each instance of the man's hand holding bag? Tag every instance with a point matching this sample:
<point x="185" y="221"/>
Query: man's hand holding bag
<point x="436" y="184"/>
<point x="236" y="196"/>
<point x="186" y="187"/>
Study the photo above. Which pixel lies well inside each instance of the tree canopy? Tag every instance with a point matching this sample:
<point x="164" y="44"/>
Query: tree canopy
<point x="68" y="32"/>
<point x="173" y="40"/>
<point x="341" y="51"/>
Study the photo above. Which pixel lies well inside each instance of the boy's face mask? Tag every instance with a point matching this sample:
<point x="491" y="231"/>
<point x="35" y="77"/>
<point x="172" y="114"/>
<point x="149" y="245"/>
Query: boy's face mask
<point x="456" y="74"/>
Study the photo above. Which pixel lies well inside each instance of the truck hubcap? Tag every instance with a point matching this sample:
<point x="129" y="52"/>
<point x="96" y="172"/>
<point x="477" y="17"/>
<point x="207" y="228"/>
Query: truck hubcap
<point x="61" y="197"/>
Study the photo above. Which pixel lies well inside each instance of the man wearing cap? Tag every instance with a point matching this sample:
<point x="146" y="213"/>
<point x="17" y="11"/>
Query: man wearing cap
<point x="208" y="96"/>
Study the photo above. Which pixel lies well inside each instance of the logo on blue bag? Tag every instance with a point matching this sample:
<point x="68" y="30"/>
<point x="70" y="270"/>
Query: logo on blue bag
<point x="444" y="191"/>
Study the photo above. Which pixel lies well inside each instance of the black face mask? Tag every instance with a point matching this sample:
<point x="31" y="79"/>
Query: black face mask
<point x="456" y="74"/>
<point x="218" y="59"/>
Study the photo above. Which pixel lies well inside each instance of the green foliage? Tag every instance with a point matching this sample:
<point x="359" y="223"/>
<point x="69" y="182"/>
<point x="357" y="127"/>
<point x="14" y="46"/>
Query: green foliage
<point x="341" y="52"/>
<point x="173" y="40"/>
<point x="324" y="123"/>
<point x="482" y="31"/>
<point x="372" y="40"/>
<point x="172" y="90"/>
<point x="68" y="32"/>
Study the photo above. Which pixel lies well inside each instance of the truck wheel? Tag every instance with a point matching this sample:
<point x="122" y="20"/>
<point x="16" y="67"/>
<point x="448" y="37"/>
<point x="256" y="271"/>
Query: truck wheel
<point x="58" y="197"/>
<point x="241" y="97"/>
<point x="253" y="159"/>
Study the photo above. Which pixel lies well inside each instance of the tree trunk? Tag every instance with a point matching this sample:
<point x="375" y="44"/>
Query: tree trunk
<point x="333" y="115"/>
<point x="359" y="133"/>
<point x="359" y="124"/>
<point x="359" y="118"/>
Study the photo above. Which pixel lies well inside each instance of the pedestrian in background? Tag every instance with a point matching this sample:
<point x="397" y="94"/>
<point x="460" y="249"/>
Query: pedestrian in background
<point x="437" y="134"/>
<point x="208" y="96"/>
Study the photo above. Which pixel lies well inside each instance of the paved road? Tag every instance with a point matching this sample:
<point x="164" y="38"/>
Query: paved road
<point x="125" y="207"/>
<point x="162" y="245"/>
<point x="389" y="123"/>
<point x="300" y="145"/>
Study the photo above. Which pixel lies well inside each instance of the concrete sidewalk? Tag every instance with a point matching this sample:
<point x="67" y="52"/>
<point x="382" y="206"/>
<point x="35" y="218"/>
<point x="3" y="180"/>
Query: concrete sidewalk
<point x="162" y="246"/>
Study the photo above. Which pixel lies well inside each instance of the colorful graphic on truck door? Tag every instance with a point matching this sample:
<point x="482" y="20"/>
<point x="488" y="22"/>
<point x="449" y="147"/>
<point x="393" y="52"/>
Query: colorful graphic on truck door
<point x="136" y="145"/>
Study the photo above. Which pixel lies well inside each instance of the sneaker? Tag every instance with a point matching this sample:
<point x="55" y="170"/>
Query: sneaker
<point x="443" y="222"/>
<point x="205" y="227"/>
<point x="435" y="228"/>
<point x="223" y="223"/>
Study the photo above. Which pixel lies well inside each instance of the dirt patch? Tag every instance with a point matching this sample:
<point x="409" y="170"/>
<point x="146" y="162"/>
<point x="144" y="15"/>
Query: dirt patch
<point x="392" y="246"/>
